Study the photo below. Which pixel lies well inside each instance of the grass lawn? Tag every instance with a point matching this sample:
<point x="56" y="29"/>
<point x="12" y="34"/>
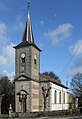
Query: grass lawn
<point x="4" y="116"/>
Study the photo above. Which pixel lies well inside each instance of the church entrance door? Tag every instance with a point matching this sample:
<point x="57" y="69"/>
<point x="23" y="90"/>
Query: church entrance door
<point x="24" y="103"/>
<point x="22" y="99"/>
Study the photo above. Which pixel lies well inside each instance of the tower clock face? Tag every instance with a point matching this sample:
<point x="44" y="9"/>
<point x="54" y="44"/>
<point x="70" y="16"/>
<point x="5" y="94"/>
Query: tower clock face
<point x="23" y="55"/>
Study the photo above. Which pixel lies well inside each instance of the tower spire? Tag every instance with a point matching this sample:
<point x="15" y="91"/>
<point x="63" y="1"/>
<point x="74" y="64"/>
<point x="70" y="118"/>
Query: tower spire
<point x="28" y="34"/>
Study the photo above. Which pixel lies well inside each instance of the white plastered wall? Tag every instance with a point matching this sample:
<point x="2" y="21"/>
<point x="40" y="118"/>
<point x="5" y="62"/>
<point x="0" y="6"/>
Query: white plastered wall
<point x="58" y="106"/>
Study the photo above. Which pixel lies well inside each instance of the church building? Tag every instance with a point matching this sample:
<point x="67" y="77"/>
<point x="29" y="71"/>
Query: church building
<point x="33" y="91"/>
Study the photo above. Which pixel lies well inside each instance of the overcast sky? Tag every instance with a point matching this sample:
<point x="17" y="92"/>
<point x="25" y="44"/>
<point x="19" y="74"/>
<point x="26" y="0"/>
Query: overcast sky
<point x="57" y="29"/>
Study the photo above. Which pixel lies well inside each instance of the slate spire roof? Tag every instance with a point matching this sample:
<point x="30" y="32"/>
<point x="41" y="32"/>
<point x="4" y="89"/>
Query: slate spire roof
<point x="28" y="34"/>
<point x="28" y="38"/>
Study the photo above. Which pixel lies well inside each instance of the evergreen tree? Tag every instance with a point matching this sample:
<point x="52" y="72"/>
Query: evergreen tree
<point x="7" y="88"/>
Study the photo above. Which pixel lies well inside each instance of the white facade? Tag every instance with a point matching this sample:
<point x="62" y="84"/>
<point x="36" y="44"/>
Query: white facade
<point x="58" y="98"/>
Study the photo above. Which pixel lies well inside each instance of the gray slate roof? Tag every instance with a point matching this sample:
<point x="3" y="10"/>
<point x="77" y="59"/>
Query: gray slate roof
<point x="28" y="38"/>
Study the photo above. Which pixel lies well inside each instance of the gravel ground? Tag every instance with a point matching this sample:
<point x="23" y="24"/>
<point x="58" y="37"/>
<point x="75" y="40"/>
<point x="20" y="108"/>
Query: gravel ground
<point x="72" y="117"/>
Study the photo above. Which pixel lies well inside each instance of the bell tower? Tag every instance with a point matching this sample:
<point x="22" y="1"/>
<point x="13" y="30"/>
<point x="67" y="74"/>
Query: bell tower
<point x="27" y="54"/>
<point x="27" y="69"/>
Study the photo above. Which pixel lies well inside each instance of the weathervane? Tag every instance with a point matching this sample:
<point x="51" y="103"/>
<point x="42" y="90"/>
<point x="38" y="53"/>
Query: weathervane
<point x="28" y="5"/>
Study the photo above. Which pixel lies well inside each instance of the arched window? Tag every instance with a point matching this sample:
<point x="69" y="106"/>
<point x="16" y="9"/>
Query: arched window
<point x="23" y="57"/>
<point x="64" y="98"/>
<point x="55" y="97"/>
<point x="59" y="97"/>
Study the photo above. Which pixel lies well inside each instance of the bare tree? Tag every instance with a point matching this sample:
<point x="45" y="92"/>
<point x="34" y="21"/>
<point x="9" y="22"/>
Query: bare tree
<point x="45" y="93"/>
<point x="76" y="84"/>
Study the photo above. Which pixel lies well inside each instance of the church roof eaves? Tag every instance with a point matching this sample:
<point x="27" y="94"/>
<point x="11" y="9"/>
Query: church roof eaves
<point x="58" y="83"/>
<point x="16" y="79"/>
<point x="26" y="43"/>
<point x="27" y="78"/>
<point x="46" y="79"/>
<point x="40" y="81"/>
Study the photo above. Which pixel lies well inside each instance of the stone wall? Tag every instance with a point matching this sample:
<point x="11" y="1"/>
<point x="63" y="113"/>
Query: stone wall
<point x="26" y="86"/>
<point x="27" y="64"/>
<point x="48" y="113"/>
<point x="35" y="68"/>
<point x="35" y="96"/>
